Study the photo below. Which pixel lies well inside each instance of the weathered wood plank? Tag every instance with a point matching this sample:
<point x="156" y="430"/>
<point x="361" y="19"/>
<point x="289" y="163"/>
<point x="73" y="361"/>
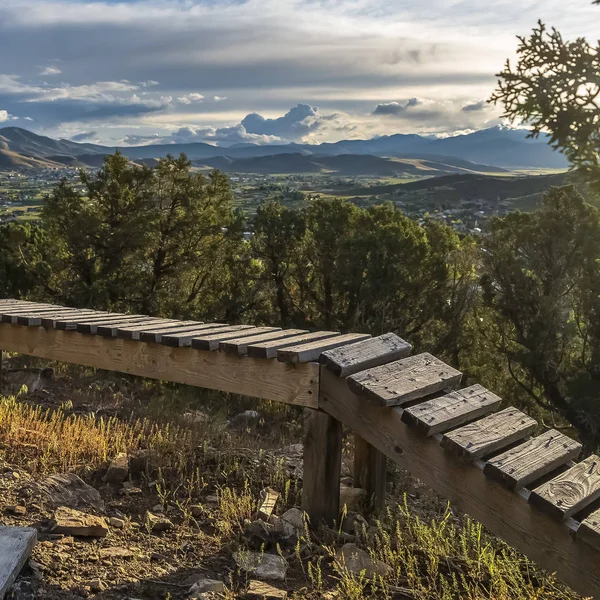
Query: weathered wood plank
<point x="404" y="380"/>
<point x="211" y="341"/>
<point x="70" y="323"/>
<point x="507" y="514"/>
<point x="322" y="465"/>
<point x="132" y="332"/>
<point x="10" y="315"/>
<point x="311" y="351"/>
<point x="91" y="326"/>
<point x="490" y="434"/>
<point x="533" y="459"/>
<point x="49" y="321"/>
<point x="240" y="345"/>
<point x="110" y="330"/>
<point x="184" y="339"/>
<point x="439" y="415"/>
<point x="570" y="491"/>
<point x="16" y="544"/>
<point x="370" y="471"/>
<point x="269" y="349"/>
<point x="156" y="335"/>
<point x="270" y="380"/>
<point x="353" y="358"/>
<point x="36" y="319"/>
<point x="589" y="530"/>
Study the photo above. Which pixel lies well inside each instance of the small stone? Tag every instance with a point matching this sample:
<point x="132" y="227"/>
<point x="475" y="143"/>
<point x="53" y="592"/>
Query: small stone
<point x="116" y="522"/>
<point x="212" y="499"/>
<point x="258" y="533"/>
<point x="96" y="585"/>
<point x="196" y="510"/>
<point x="158" y="523"/>
<point x="291" y="523"/>
<point x="67" y="489"/>
<point x="262" y="590"/>
<point x="262" y="566"/>
<point x="142" y="461"/>
<point x="115" y="552"/>
<point x="158" y="508"/>
<point x="73" y="522"/>
<point x="129" y="489"/>
<point x="354" y="522"/>
<point x="18" y="511"/>
<point x="357" y="561"/>
<point x="118" y="471"/>
<point x="207" y="585"/>
<point x="268" y="499"/>
<point x="248" y="418"/>
<point x="352" y="498"/>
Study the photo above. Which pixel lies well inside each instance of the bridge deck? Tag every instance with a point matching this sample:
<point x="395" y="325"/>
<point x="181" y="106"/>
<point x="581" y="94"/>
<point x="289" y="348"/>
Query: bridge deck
<point x="463" y="442"/>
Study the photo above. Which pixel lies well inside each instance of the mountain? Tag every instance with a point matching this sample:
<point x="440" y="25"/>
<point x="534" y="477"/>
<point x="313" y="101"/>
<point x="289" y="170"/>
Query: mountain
<point x="497" y="147"/>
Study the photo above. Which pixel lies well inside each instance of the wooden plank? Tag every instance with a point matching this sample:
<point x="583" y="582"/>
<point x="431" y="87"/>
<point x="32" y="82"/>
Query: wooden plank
<point x="91" y="326"/>
<point x="507" y="514"/>
<point x="322" y="465"/>
<point x="10" y="315"/>
<point x="156" y="335"/>
<point x="490" y="434"/>
<point x="589" y="530"/>
<point x="533" y="459"/>
<point x="132" y="332"/>
<point x="213" y="370"/>
<point x="570" y="491"/>
<point x="439" y="415"/>
<point x="240" y="345"/>
<point x="211" y="341"/>
<point x="70" y="323"/>
<point x="370" y="471"/>
<point x="49" y="321"/>
<point x="404" y="380"/>
<point x="353" y="358"/>
<point x="16" y="544"/>
<point x="184" y="340"/>
<point x="110" y="330"/>
<point x="311" y="351"/>
<point x="269" y="349"/>
<point x="35" y="318"/>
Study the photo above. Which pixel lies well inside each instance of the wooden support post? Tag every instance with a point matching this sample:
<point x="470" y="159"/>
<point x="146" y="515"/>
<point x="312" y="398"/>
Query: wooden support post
<point x="369" y="472"/>
<point x="322" y="466"/>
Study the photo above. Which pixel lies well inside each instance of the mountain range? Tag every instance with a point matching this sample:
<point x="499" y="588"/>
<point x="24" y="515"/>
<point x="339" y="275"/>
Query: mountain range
<point x="488" y="150"/>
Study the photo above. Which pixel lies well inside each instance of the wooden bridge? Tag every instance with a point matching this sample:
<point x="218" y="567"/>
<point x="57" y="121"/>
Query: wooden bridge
<point x="409" y="408"/>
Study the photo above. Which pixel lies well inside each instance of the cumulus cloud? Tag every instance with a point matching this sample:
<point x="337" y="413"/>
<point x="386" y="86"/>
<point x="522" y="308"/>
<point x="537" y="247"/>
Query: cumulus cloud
<point x="84" y="136"/>
<point x="219" y="98"/>
<point x="51" y="71"/>
<point x="475" y="106"/>
<point x="193" y="98"/>
<point x="4" y="116"/>
<point x="395" y="108"/>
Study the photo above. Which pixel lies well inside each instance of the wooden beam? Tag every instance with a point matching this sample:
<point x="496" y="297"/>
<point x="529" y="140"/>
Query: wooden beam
<point x="311" y="351"/>
<point x="16" y="544"/>
<point x="370" y="472"/>
<point x="322" y="466"/>
<point x="547" y="541"/>
<point x="270" y="380"/>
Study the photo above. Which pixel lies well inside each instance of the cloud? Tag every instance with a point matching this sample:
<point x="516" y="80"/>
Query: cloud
<point x="297" y="122"/>
<point x="4" y="116"/>
<point x="475" y="106"/>
<point x="50" y="71"/>
<point x="219" y="98"/>
<point x="394" y="108"/>
<point x="84" y="136"/>
<point x="190" y="98"/>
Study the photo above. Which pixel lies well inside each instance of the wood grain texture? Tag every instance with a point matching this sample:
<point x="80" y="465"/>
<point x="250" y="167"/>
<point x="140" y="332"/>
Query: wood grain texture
<point x="507" y="514"/>
<point x="156" y="335"/>
<point x="184" y="339"/>
<point x="70" y="323"/>
<point x="322" y="466"/>
<point x="404" y="380"/>
<point x="269" y="349"/>
<point x="439" y="415"/>
<point x="10" y="315"/>
<point x="490" y="434"/>
<point x="589" y="530"/>
<point x="353" y="358"/>
<point x="570" y="491"/>
<point x="370" y="472"/>
<point x="36" y="319"/>
<point x="50" y="321"/>
<point x="111" y="329"/>
<point x="90" y="326"/>
<point x="132" y="332"/>
<point x="240" y="345"/>
<point x="311" y="351"/>
<point x="211" y="341"/>
<point x="533" y="459"/>
<point x="16" y="544"/>
<point x="270" y="380"/>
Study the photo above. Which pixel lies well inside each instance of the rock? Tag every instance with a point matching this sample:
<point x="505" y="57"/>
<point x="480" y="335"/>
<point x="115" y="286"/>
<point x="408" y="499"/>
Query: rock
<point x="158" y="523"/>
<point x="356" y="561"/>
<point x="142" y="461"/>
<point x="158" y="508"/>
<point x="118" y="471"/>
<point x="268" y="499"/>
<point x="116" y="523"/>
<point x="212" y="499"/>
<point x="207" y="585"/>
<point x="249" y="418"/>
<point x="32" y="379"/>
<point x="196" y="417"/>
<point x="354" y="522"/>
<point x="262" y="566"/>
<point x="259" y="589"/>
<point x="258" y="533"/>
<point x="129" y="489"/>
<point x="115" y="552"/>
<point x="293" y="457"/>
<point x="196" y="510"/>
<point x="18" y="511"/>
<point x="352" y="498"/>
<point x="291" y="523"/>
<point x="66" y="489"/>
<point x="96" y="585"/>
<point x="73" y="522"/>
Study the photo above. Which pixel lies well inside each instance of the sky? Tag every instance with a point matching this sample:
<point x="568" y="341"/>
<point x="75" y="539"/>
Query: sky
<point x="122" y="72"/>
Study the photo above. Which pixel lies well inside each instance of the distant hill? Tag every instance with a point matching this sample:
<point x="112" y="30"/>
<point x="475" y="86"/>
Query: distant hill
<point x="495" y="147"/>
